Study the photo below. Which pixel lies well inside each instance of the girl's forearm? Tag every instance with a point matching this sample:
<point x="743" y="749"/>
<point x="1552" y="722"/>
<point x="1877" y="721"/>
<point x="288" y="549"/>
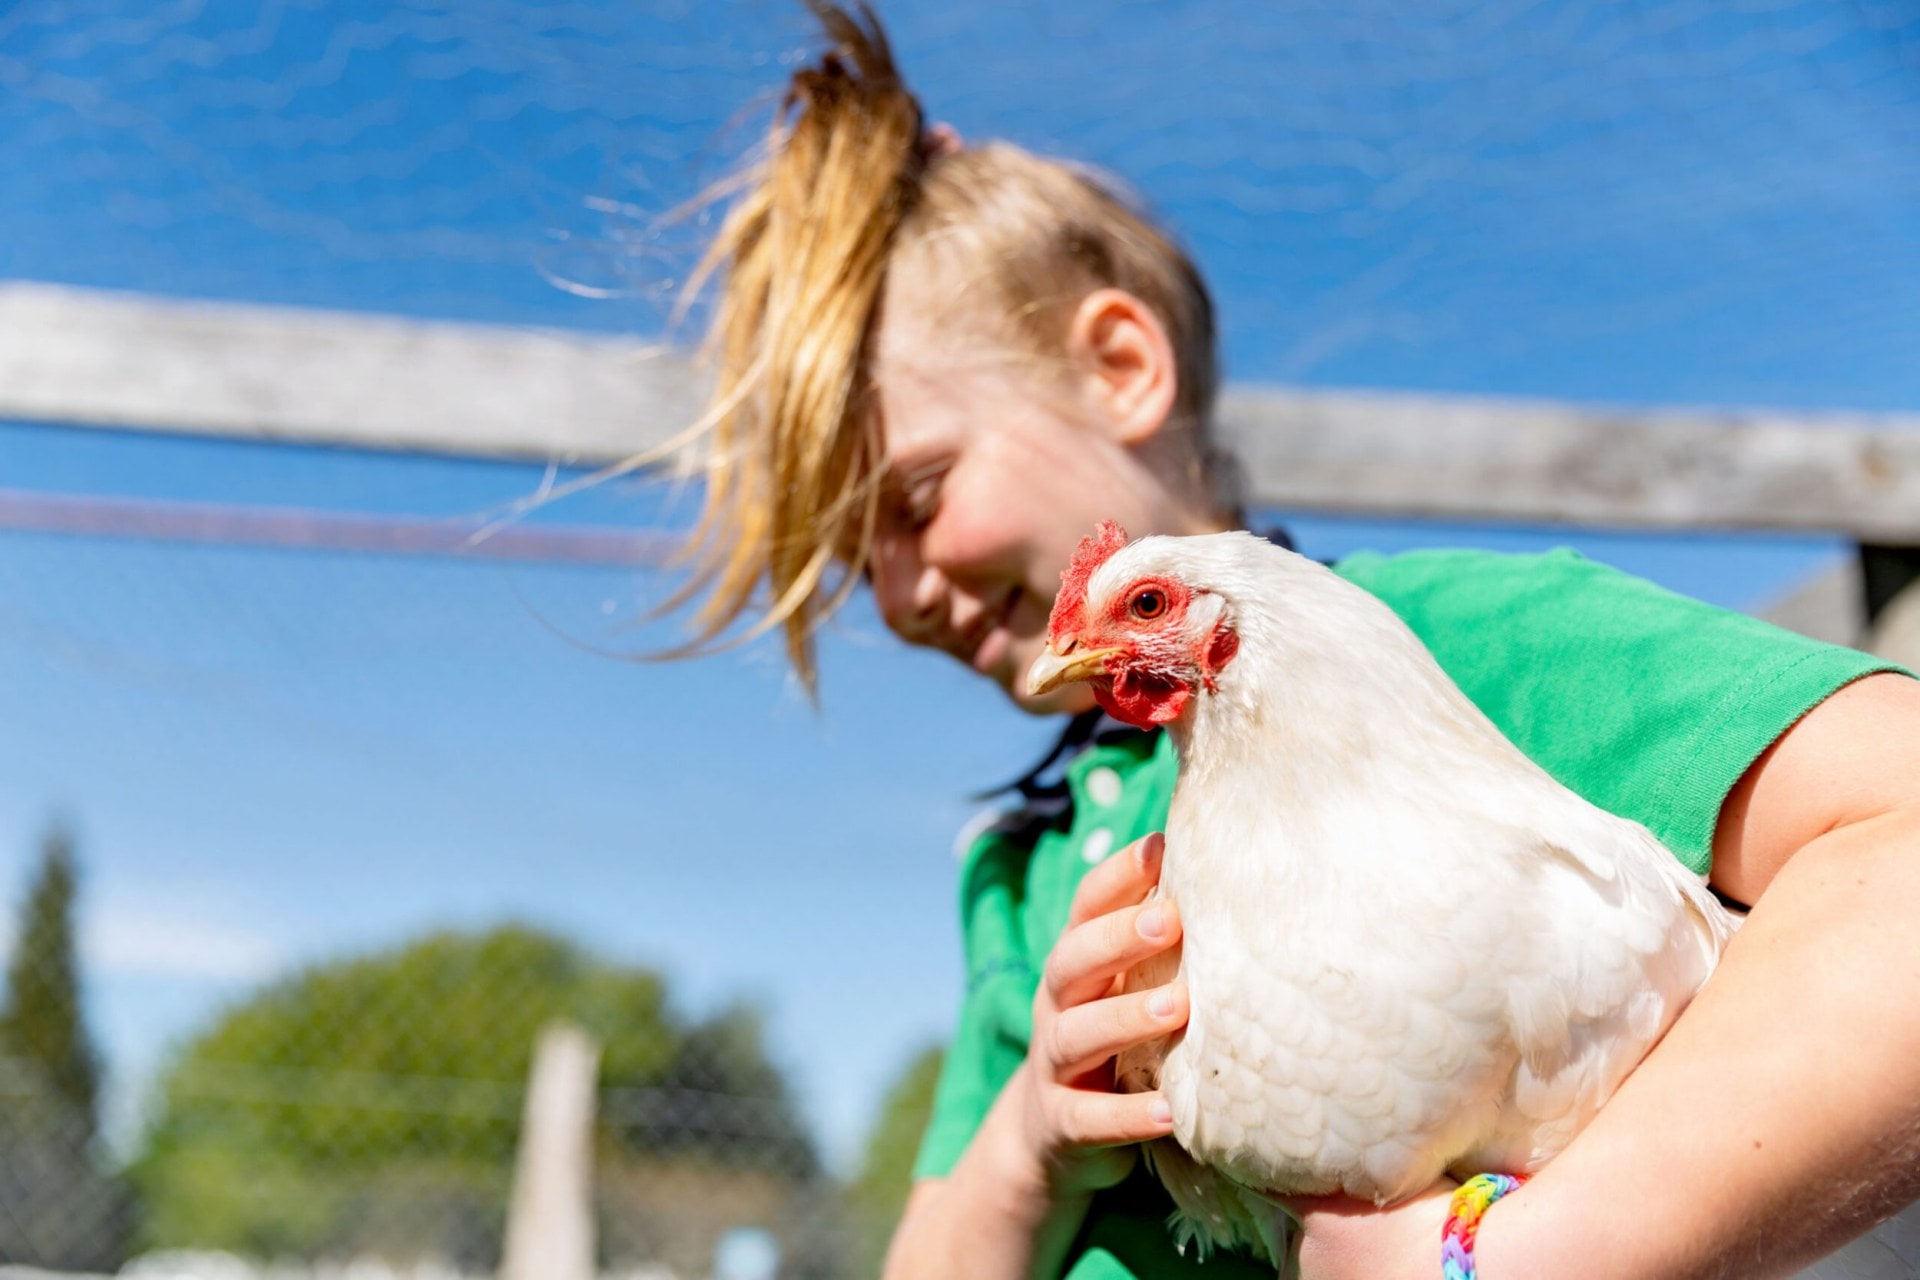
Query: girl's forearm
<point x="1779" y="1117"/>
<point x="994" y="1217"/>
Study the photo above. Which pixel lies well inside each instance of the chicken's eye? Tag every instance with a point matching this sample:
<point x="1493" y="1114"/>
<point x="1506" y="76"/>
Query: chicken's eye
<point x="1149" y="604"/>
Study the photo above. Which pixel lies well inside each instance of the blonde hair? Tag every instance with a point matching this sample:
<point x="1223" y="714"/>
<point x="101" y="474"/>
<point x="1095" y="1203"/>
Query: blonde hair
<point x="849" y="185"/>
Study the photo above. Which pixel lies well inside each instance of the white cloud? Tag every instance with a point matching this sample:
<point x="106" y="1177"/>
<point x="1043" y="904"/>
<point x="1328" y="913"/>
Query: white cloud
<point x="125" y="941"/>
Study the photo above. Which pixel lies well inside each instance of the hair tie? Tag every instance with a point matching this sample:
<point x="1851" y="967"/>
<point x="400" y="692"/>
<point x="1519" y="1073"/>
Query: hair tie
<point x="938" y="140"/>
<point x="1469" y="1204"/>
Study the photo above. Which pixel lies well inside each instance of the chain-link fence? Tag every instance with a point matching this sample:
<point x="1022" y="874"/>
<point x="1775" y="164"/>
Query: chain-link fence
<point x="1631" y="201"/>
<point x="263" y="1017"/>
<point x="182" y="1082"/>
<point x="371" y="1110"/>
<point x="61" y="1203"/>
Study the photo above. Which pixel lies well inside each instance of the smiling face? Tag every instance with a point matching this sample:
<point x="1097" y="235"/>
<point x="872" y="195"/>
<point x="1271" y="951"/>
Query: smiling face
<point x="995" y="469"/>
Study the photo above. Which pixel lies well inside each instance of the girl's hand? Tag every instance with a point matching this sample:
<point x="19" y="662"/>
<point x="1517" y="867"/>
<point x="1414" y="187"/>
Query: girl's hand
<point x="1081" y="1131"/>
<point x="1058" y="1132"/>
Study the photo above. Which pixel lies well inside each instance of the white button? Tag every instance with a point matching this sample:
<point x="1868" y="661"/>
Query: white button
<point x="1103" y="787"/>
<point x="1098" y="844"/>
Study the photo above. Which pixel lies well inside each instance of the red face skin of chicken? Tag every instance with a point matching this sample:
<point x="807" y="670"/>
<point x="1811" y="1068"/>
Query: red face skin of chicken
<point x="1152" y="677"/>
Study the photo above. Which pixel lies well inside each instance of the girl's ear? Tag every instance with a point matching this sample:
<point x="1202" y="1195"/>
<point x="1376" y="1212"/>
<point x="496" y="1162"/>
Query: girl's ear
<point x="1120" y="350"/>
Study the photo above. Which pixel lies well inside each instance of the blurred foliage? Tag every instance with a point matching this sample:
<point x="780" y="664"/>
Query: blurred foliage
<point x="878" y="1192"/>
<point x="41" y="1024"/>
<point x="372" y="1105"/>
<point x="59" y="1207"/>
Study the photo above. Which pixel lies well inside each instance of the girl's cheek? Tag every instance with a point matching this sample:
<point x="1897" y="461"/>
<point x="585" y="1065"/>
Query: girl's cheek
<point x="970" y="554"/>
<point x="971" y="529"/>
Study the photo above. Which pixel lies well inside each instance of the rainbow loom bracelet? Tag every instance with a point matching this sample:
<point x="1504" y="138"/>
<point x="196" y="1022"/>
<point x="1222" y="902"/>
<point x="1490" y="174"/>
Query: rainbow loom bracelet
<point x="1469" y="1204"/>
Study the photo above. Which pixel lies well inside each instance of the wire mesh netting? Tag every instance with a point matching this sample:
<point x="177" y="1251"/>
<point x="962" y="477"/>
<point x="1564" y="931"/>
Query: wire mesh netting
<point x="1549" y="196"/>
<point x="304" y="849"/>
<point x="291" y="772"/>
<point x="371" y="1108"/>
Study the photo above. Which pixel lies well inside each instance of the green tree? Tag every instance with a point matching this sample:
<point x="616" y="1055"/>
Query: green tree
<point x="41" y="1026"/>
<point x="722" y="1095"/>
<point x="878" y="1192"/>
<point x="58" y="1207"/>
<point x="372" y="1104"/>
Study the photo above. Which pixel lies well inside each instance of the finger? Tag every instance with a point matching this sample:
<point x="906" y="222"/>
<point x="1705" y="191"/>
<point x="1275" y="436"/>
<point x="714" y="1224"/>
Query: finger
<point x="1083" y="1037"/>
<point x="1119" y="881"/>
<point x="1087" y="957"/>
<point x="1092" y="1118"/>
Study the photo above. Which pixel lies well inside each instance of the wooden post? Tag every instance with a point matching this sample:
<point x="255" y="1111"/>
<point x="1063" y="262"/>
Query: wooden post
<point x="1892" y="579"/>
<point x="1870" y="601"/>
<point x="1829" y="606"/>
<point x="550" y="1217"/>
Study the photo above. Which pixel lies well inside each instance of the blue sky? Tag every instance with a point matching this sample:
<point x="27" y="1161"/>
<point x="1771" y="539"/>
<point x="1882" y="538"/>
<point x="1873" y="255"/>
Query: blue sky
<point x="274" y="757"/>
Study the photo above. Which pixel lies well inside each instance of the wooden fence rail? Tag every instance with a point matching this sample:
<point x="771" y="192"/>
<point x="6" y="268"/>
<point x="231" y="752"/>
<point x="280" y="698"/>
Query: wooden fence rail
<point x="92" y="358"/>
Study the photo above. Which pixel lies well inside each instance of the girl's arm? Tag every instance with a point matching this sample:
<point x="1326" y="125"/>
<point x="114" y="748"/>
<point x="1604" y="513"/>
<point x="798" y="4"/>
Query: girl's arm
<point x="1057" y="1133"/>
<point x="1781" y="1114"/>
<point x="995" y="1216"/>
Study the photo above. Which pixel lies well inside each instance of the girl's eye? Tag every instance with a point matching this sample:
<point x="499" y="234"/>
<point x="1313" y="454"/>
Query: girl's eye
<point x="1149" y="604"/>
<point x="917" y="497"/>
<point x="923" y="502"/>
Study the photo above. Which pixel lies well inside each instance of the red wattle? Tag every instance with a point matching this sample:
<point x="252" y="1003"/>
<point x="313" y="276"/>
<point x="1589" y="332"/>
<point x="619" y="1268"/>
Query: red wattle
<point x="1140" y="703"/>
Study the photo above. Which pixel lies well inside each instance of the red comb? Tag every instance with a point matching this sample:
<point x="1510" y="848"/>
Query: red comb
<point x="1094" y="550"/>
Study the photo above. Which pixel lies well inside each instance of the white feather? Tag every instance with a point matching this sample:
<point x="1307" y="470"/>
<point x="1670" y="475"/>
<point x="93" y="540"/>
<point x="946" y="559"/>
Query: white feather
<point x="1410" y="951"/>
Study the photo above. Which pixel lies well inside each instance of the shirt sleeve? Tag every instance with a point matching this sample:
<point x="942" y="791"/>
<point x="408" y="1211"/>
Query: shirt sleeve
<point x="996" y="1013"/>
<point x="1649" y="704"/>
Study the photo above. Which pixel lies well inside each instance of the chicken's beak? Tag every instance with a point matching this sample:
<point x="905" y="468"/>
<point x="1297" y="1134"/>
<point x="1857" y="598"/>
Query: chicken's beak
<point x="1051" y="670"/>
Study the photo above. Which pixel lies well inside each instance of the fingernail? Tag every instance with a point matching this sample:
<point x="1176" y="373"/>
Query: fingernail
<point x="1160" y="1111"/>
<point x="1160" y="1003"/>
<point x="1149" y="849"/>
<point x="1153" y="923"/>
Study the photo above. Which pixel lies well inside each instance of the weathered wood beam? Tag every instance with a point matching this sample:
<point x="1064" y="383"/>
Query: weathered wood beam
<point x="1829" y="605"/>
<point x="118" y="360"/>
<point x="1895" y="633"/>
<point x="1537" y="461"/>
<point x="1870" y="600"/>
<point x="93" y="358"/>
<point x="312" y="529"/>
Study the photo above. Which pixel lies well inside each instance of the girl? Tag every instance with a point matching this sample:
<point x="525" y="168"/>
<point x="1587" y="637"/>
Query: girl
<point x="939" y="366"/>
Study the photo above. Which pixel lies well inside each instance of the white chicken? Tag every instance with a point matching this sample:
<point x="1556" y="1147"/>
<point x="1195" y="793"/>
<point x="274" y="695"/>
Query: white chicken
<point x="1409" y="950"/>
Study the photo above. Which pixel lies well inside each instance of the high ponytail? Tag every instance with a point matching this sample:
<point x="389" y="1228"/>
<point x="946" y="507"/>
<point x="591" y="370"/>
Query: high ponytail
<point x="792" y="479"/>
<point x="853" y="183"/>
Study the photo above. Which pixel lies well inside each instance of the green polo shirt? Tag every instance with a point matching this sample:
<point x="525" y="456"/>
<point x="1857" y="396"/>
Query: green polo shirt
<point x="1647" y="703"/>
